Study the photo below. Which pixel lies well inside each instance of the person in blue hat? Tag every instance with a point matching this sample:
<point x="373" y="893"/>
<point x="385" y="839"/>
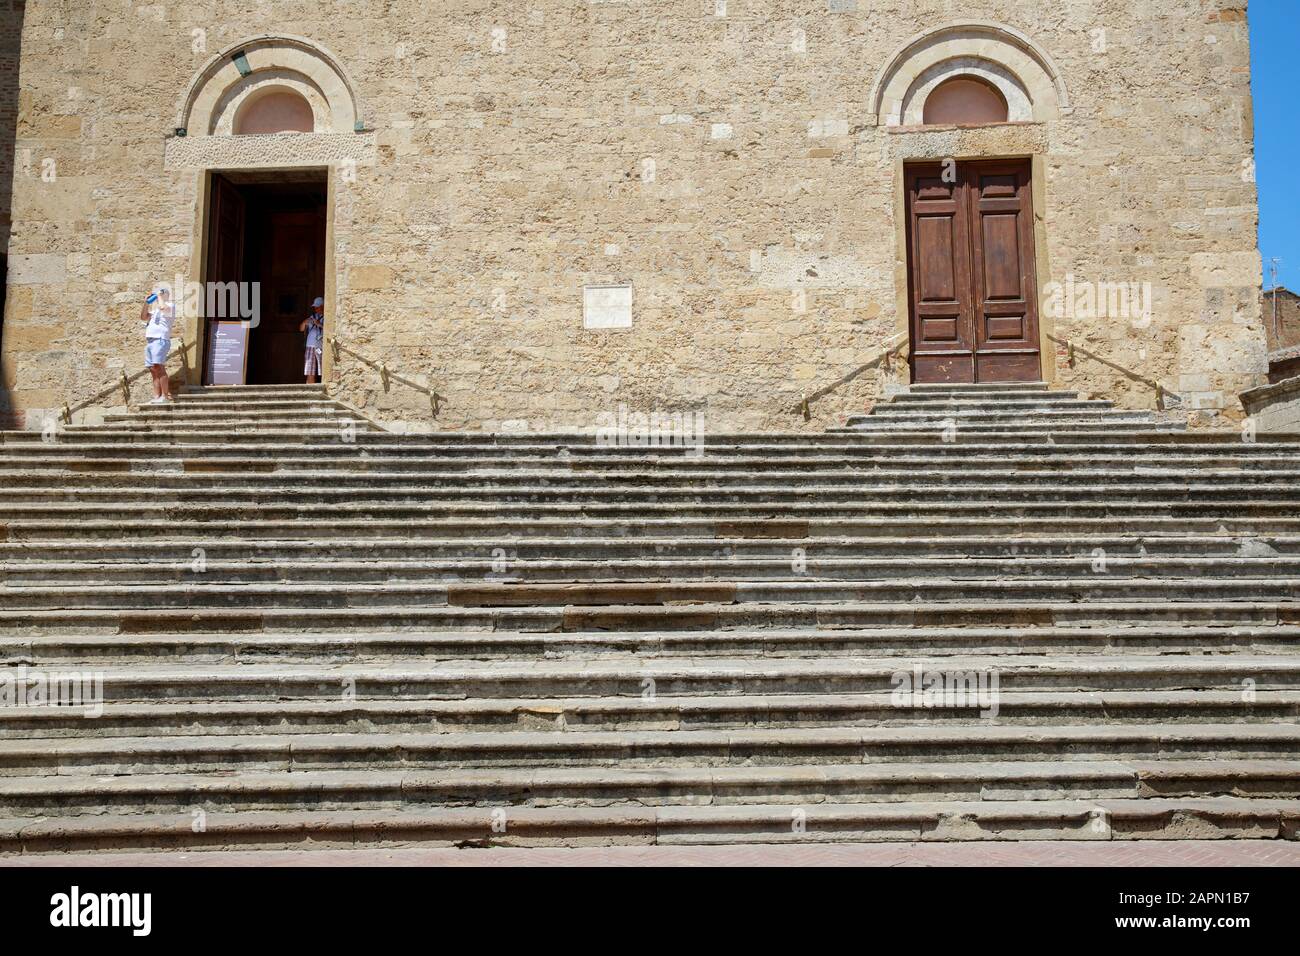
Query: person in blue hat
<point x="314" y="326"/>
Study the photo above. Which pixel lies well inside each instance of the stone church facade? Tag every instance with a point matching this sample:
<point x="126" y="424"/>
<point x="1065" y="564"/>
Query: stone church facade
<point x="555" y="208"/>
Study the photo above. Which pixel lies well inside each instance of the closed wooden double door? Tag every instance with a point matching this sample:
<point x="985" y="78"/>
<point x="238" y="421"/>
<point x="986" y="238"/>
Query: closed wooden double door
<point x="971" y="275"/>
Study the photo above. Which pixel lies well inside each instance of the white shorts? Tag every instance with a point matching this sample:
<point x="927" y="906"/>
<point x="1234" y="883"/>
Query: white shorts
<point x="156" y="351"/>
<point x="311" y="362"/>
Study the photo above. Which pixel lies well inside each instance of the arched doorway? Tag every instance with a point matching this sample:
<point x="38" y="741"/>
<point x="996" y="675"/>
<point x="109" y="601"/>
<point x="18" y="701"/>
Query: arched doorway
<point x="274" y="123"/>
<point x="267" y="231"/>
<point x="968" y="234"/>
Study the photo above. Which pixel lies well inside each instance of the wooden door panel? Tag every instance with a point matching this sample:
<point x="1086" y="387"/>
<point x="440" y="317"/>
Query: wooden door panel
<point x="998" y="186"/>
<point x="999" y="234"/>
<point x="1004" y="327"/>
<point x="1005" y="288"/>
<point x="938" y="273"/>
<point x="227" y="215"/>
<point x="937" y="278"/>
<point x="971" y="274"/>
<point x="938" y="330"/>
<point x="226" y="248"/>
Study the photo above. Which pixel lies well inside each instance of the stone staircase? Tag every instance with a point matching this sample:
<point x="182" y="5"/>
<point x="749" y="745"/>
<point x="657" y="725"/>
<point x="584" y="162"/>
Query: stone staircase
<point x="309" y="632"/>
<point x="1027" y="408"/>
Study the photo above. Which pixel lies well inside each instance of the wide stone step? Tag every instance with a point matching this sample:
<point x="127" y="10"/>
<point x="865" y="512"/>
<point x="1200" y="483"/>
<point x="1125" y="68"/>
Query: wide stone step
<point x="1178" y="573"/>
<point x="195" y="592"/>
<point x="227" y="392"/>
<point x="543" y="750"/>
<point x="1084" y="414"/>
<point x="201" y="474"/>
<point x="190" y="401"/>
<point x="982" y="388"/>
<point x="143" y="428"/>
<point x="927" y="417"/>
<point x="689" y="616"/>
<point x="23" y="504"/>
<point x="327" y="431"/>
<point x="33" y="487"/>
<point x="1012" y="429"/>
<point x="834" y="446"/>
<point x="33" y="517"/>
<point x="333" y="646"/>
<point x="828" y="784"/>
<point x="582" y="527"/>
<point x="1106" y="819"/>
<point x="64" y="468"/>
<point x="326" y="547"/>
<point x="665" y="677"/>
<point x="557" y="715"/>
<point x="321" y="448"/>
<point x="229" y="412"/>
<point x="187" y="402"/>
<point x="992" y="400"/>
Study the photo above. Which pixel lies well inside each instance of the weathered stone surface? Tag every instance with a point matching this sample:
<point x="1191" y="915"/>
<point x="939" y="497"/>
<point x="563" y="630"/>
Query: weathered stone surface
<point x="1274" y="408"/>
<point x="505" y="152"/>
<point x="1083" y="633"/>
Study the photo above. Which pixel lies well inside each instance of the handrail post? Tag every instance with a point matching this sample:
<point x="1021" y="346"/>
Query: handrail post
<point x="1163" y="395"/>
<point x="882" y="358"/>
<point x="386" y="376"/>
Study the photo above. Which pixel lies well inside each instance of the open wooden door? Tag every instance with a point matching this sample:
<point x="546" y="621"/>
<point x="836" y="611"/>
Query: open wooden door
<point x="226" y="350"/>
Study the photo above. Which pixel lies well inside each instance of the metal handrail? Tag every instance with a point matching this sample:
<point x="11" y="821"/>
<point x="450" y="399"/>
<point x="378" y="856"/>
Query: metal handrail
<point x="386" y="374"/>
<point x="1161" y="392"/>
<point x="884" y="357"/>
<point x="124" y="385"/>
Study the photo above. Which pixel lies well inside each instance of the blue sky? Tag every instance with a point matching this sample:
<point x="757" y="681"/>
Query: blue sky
<point x="1275" y="79"/>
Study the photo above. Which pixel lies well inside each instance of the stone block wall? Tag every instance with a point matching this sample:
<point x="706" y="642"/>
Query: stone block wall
<point x="724" y="158"/>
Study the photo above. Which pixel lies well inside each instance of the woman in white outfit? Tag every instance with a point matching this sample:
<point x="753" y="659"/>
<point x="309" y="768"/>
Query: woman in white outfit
<point x="158" y="313"/>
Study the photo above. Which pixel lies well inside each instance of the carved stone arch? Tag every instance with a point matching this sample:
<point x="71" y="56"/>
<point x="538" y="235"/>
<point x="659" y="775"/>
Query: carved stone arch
<point x="1021" y="70"/>
<point x="296" y="63"/>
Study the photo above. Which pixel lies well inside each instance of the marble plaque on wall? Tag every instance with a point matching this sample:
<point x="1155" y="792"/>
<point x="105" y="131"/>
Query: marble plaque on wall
<point x="607" y="307"/>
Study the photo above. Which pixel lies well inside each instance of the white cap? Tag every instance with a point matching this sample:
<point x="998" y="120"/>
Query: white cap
<point x="319" y="301"/>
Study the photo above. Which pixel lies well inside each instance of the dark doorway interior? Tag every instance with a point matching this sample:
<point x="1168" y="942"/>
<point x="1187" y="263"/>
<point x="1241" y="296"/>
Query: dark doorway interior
<point x="270" y="229"/>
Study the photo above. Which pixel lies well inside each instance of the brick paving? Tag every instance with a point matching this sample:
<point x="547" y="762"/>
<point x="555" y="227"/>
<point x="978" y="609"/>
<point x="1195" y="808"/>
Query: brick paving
<point x="1191" y="853"/>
